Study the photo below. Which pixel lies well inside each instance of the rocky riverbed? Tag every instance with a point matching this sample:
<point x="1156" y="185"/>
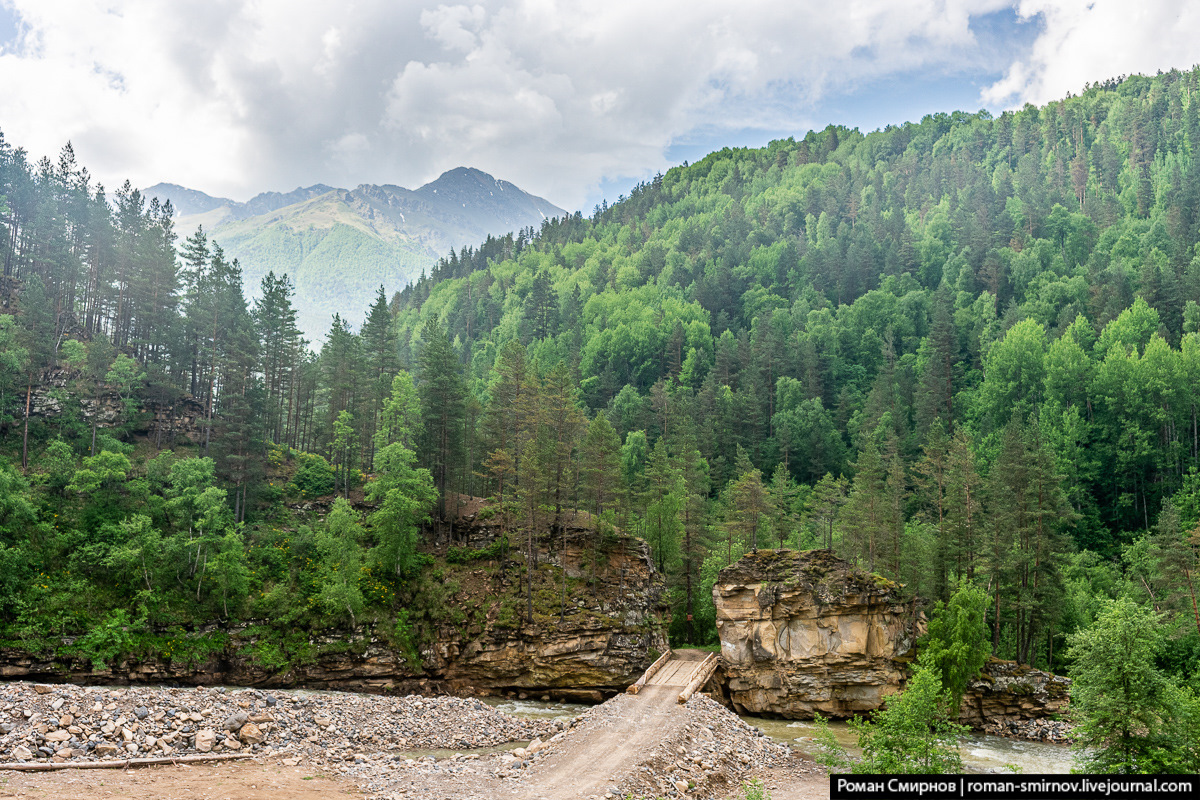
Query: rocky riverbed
<point x="705" y="752"/>
<point x="1035" y="730"/>
<point x="61" y="722"/>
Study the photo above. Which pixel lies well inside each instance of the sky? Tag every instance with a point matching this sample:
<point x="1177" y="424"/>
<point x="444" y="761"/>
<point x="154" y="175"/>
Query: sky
<point x="570" y="100"/>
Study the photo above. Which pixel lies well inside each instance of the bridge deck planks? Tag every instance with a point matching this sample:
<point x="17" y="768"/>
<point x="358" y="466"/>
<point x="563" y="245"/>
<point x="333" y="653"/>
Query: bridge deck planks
<point x="676" y="672"/>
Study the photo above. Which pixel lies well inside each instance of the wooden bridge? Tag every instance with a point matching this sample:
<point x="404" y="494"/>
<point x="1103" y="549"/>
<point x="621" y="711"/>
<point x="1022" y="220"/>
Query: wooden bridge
<point x="587" y="764"/>
<point x="686" y="669"/>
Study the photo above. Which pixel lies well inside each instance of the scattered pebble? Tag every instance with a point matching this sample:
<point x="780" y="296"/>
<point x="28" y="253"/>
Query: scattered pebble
<point x="73" y="723"/>
<point x="370" y="739"/>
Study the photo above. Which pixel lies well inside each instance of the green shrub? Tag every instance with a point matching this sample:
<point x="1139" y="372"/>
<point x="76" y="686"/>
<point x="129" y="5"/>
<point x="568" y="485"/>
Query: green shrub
<point x="464" y="555"/>
<point x="314" y="478"/>
<point x="753" y="789"/>
<point x="108" y="640"/>
<point x="406" y="641"/>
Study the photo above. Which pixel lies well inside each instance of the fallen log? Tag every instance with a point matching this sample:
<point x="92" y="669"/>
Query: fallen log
<point x="649" y="673"/>
<point x="700" y="677"/>
<point x="124" y="764"/>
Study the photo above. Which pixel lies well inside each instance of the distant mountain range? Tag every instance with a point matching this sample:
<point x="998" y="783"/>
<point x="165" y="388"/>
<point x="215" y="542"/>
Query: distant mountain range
<point x="340" y="245"/>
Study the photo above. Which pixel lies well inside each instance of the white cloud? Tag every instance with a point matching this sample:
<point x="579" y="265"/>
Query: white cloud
<point x="455" y="27"/>
<point x="235" y="97"/>
<point x="1086" y="41"/>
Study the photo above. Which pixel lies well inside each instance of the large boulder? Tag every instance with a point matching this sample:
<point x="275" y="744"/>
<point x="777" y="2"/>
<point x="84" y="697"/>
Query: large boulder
<point x="807" y="632"/>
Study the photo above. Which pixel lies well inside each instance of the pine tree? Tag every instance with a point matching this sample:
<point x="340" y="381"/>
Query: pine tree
<point x="828" y="498"/>
<point x="382" y="361"/>
<point x="601" y="460"/>
<point x="442" y="393"/>
<point x="563" y="422"/>
<point x="746" y="505"/>
<point x="275" y="319"/>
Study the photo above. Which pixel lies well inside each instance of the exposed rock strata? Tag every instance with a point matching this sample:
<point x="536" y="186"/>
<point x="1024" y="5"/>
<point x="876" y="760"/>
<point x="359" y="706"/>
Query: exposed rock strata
<point x="612" y="633"/>
<point x="1007" y="694"/>
<point x="600" y="646"/>
<point x="167" y="421"/>
<point x="806" y="632"/>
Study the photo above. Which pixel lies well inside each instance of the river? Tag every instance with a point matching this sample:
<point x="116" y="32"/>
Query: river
<point x="980" y="752"/>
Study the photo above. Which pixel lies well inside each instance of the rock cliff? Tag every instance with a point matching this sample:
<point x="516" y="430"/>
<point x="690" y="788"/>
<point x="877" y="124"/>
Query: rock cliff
<point x="806" y="632"/>
<point x="609" y="630"/>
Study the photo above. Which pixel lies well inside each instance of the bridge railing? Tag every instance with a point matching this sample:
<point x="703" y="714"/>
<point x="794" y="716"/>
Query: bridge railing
<point x="649" y="673"/>
<point x="700" y="676"/>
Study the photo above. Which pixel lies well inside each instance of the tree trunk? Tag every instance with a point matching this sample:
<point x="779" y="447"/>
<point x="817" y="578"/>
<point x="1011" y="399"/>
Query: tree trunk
<point x="25" y="437"/>
<point x="996" y="626"/>
<point x="529" y="574"/>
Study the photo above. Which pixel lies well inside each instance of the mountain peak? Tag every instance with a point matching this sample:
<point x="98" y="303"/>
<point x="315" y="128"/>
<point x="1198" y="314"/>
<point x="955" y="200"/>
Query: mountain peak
<point x="340" y="244"/>
<point x="186" y="201"/>
<point x="477" y="193"/>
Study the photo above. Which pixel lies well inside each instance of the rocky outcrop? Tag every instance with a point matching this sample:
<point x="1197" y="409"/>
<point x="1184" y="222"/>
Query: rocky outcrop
<point x="166" y="421"/>
<point x="806" y="632"/>
<point x="1007" y="697"/>
<point x="611" y="629"/>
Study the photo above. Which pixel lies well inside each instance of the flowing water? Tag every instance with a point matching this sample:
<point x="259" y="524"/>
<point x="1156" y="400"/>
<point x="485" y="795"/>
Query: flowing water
<point x="535" y="709"/>
<point x="980" y="752"/>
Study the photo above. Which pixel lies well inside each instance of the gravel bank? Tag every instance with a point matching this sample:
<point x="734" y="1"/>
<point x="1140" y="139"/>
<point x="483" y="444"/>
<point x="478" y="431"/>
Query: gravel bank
<point x="1036" y="730"/>
<point x="40" y="722"/>
<point x="705" y="752"/>
<point x="708" y="756"/>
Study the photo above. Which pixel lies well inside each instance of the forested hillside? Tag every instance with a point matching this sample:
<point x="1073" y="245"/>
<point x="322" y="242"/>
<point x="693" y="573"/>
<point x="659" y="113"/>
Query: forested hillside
<point x="962" y="349"/>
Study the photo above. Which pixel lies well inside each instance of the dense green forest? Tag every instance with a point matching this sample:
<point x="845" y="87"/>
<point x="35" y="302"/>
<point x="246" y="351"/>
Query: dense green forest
<point x="965" y="349"/>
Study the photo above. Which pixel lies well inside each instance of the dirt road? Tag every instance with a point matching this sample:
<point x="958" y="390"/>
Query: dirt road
<point x="590" y="765"/>
<point x="240" y="780"/>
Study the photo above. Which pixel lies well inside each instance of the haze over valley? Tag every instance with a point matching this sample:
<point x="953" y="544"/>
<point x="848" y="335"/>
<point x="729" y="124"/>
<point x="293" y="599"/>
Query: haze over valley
<point x="339" y="246"/>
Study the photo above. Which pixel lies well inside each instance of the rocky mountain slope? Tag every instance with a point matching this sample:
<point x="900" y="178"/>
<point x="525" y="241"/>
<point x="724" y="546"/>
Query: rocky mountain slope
<point x="340" y="245"/>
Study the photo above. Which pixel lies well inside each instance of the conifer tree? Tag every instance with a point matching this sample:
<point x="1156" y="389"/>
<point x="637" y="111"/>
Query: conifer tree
<point x="442" y="393"/>
<point x="382" y="361"/>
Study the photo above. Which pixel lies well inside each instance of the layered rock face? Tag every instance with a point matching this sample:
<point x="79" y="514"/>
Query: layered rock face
<point x="806" y="632"/>
<point x="1007" y="694"/>
<point x="613" y="629"/>
<point x="609" y="634"/>
<point x="167" y="423"/>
